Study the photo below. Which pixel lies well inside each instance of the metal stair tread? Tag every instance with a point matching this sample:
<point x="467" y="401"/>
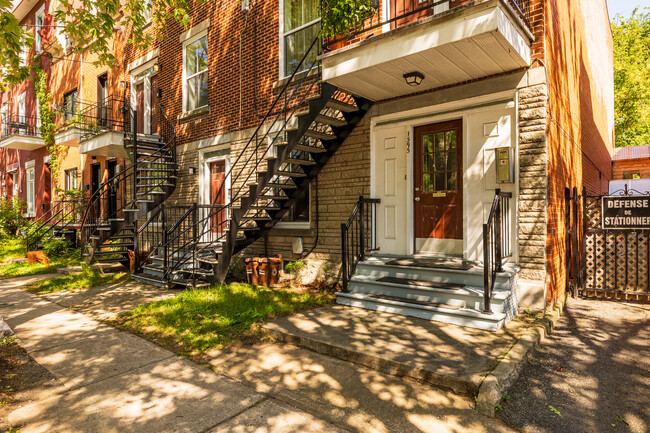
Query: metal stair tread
<point x="190" y="282"/>
<point x="423" y="305"/>
<point x="319" y="134"/>
<point x="341" y="106"/>
<point x="433" y="287"/>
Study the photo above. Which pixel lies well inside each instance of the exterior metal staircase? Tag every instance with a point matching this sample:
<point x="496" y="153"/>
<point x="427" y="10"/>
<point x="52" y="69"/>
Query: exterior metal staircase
<point x="60" y="222"/>
<point x="110" y="221"/>
<point x="305" y="125"/>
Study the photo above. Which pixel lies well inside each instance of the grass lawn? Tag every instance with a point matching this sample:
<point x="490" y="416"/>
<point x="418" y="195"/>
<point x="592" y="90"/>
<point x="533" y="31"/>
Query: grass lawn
<point x="70" y="258"/>
<point x="78" y="280"/>
<point x="11" y="248"/>
<point x="200" y="319"/>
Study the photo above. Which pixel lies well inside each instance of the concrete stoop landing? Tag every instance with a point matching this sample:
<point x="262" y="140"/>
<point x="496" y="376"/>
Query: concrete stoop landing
<point x="430" y="352"/>
<point x="447" y="290"/>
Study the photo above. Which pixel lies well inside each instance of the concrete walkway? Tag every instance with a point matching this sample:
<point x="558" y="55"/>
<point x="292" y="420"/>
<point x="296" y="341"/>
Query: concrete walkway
<point x="116" y="382"/>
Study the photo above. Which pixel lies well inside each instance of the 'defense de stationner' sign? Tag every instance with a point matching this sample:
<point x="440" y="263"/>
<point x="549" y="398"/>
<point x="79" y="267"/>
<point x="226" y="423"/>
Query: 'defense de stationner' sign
<point x="626" y="212"/>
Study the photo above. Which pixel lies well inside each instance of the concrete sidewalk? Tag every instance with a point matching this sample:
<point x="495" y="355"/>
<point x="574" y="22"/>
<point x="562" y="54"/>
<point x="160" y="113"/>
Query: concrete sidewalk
<point x="116" y="382"/>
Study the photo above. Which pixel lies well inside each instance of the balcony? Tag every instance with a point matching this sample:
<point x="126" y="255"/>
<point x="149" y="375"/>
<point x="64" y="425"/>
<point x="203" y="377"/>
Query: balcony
<point x="102" y="126"/>
<point x="448" y="42"/>
<point x="21" y="133"/>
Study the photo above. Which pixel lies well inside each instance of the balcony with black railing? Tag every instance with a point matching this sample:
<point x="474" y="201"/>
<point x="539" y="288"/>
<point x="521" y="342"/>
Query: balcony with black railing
<point x="102" y="127"/>
<point x="439" y="43"/>
<point x="21" y="132"/>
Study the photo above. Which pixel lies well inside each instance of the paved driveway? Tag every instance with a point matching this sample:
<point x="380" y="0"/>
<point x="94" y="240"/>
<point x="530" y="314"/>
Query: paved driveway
<point x="594" y="370"/>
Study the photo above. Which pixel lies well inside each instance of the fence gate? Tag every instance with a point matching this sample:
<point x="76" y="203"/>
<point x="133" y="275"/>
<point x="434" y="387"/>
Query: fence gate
<point x="615" y="259"/>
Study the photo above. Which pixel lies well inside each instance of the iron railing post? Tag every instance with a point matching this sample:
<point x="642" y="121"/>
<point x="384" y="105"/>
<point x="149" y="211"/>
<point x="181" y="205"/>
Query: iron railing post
<point x="497" y="232"/>
<point x="362" y="233"/>
<point x="486" y="270"/>
<point x="344" y="258"/>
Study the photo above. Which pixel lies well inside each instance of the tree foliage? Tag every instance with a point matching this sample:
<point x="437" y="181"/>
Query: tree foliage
<point x="90" y="25"/>
<point x="632" y="78"/>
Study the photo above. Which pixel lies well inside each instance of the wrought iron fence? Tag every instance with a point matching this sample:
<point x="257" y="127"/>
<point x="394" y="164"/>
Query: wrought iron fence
<point x="358" y="236"/>
<point x="496" y="243"/>
<point x="20" y="125"/>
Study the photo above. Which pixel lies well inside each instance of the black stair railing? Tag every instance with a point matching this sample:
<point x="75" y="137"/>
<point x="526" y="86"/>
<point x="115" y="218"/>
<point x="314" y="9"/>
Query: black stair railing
<point x="496" y="244"/>
<point x="127" y="189"/>
<point x="216" y="225"/>
<point x="61" y="215"/>
<point x="358" y="237"/>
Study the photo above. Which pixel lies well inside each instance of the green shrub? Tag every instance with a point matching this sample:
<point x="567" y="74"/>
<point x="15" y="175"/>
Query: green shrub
<point x="55" y="247"/>
<point x="11" y="217"/>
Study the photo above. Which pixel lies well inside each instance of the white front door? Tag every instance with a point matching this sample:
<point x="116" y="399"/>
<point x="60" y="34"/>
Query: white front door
<point x="390" y="184"/>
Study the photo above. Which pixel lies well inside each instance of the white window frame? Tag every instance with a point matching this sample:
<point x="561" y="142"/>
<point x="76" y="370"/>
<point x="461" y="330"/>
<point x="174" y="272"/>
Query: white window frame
<point x="38" y="41"/>
<point x="22" y="108"/>
<point x="146" y="79"/>
<point x="68" y="177"/>
<point x="146" y="11"/>
<point x="16" y="184"/>
<point x="23" y="51"/>
<point x="30" y="175"/>
<point x="297" y="225"/>
<point x="283" y="35"/>
<point x="4" y="119"/>
<point x="186" y="42"/>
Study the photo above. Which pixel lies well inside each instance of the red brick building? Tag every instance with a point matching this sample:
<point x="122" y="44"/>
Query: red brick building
<point x="450" y="116"/>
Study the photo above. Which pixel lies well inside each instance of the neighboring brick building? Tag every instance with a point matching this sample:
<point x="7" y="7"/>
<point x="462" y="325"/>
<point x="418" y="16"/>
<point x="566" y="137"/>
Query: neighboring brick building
<point x="442" y="107"/>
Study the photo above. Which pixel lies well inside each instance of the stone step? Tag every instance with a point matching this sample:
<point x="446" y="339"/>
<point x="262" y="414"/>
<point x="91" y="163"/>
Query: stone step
<point x="421" y="290"/>
<point x="148" y="279"/>
<point x="380" y="266"/>
<point x="445" y="313"/>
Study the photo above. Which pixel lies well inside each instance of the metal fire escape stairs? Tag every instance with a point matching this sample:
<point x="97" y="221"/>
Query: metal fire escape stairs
<point x="108" y="232"/>
<point x="306" y="124"/>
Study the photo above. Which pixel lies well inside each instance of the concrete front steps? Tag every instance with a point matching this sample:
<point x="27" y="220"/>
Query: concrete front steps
<point x="446" y="290"/>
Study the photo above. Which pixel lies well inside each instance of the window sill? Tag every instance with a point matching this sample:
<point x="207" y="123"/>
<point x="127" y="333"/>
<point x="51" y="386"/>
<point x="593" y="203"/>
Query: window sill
<point x="290" y="229"/>
<point x="193" y="114"/>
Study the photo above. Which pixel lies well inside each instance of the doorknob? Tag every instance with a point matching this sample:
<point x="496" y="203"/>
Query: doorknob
<point x="417" y="199"/>
<point x="417" y="188"/>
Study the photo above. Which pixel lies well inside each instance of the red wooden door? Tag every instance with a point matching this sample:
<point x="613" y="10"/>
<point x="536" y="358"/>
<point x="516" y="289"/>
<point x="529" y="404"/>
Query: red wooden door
<point x="218" y="193"/>
<point x="154" y="104"/>
<point x="438" y="181"/>
<point x="139" y="106"/>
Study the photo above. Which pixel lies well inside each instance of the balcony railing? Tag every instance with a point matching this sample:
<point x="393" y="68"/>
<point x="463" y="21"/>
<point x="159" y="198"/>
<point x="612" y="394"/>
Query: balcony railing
<point x="29" y="126"/>
<point x="94" y="117"/>
<point x="403" y="12"/>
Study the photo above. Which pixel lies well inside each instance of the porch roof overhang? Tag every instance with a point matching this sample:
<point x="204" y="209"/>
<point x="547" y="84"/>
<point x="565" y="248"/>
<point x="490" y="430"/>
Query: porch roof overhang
<point x="68" y="136"/>
<point x="463" y="44"/>
<point x="108" y="143"/>
<point x="22" y="142"/>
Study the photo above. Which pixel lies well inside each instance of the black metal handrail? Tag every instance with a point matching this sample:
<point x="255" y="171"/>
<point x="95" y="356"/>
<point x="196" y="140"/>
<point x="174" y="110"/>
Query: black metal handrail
<point x="496" y="243"/>
<point x="211" y="223"/>
<point x="61" y="214"/>
<point x="20" y="125"/>
<point x="410" y="8"/>
<point x="358" y="236"/>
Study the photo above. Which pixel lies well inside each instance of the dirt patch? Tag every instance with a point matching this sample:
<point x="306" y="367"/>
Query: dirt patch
<point x="22" y="381"/>
<point x="592" y="374"/>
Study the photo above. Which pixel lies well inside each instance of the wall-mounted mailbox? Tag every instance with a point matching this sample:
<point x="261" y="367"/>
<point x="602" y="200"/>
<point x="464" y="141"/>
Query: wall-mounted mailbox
<point x="504" y="165"/>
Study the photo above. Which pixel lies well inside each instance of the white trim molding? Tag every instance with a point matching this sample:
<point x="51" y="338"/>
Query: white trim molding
<point x="194" y="31"/>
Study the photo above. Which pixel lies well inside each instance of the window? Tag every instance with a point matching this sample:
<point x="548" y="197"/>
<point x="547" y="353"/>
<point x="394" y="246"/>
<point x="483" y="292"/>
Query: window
<point x="40" y="18"/>
<point x="23" y="52"/>
<point x="631" y="175"/>
<point x="31" y="178"/>
<point x="71" y="179"/>
<point x="300" y="26"/>
<point x="70" y="105"/>
<point x="195" y="66"/>
<point x="5" y="120"/>
<point x="146" y="10"/>
<point x="16" y="185"/>
<point x="299" y="212"/>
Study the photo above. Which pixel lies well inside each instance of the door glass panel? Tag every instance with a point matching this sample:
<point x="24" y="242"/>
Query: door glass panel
<point x="428" y="143"/>
<point x="427" y="163"/>
<point x="440" y="161"/>
<point x="440" y="181"/>
<point x="451" y="140"/>
<point x="451" y="181"/>
<point x="451" y="161"/>
<point x="440" y="141"/>
<point x="427" y="184"/>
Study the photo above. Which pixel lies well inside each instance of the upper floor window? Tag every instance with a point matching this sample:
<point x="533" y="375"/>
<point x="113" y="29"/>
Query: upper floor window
<point x="195" y="72"/>
<point x="23" y="53"/>
<point x="631" y="175"/>
<point x="71" y="179"/>
<point x="70" y="105"/>
<point x="146" y="10"/>
<point x="31" y="183"/>
<point x="300" y="26"/>
<point x="40" y="19"/>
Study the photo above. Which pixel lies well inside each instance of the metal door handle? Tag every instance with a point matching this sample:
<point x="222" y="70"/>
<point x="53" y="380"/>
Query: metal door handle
<point x="417" y="198"/>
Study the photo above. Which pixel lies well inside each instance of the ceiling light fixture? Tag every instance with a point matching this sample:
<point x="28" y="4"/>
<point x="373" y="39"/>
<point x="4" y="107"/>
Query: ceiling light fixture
<point x="414" y="78"/>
